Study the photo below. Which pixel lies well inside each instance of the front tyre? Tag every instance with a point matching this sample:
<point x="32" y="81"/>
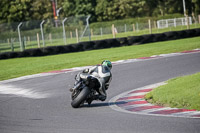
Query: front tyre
<point x="80" y="98"/>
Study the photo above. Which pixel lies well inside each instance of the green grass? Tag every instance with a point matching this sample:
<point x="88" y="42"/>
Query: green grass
<point x="181" y="92"/>
<point x="17" y="67"/>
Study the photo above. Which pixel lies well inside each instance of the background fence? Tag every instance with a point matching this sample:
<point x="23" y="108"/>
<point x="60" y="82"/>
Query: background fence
<point x="43" y="33"/>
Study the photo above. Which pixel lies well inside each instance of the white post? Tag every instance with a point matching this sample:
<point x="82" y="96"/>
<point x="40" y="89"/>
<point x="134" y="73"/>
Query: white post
<point x="77" y="36"/>
<point x="91" y="31"/>
<point x="101" y="32"/>
<point x="41" y="28"/>
<point x="64" y="34"/>
<point x="71" y="34"/>
<point x="20" y="40"/>
<point x="113" y="31"/>
<point x="133" y="27"/>
<point x="158" y="24"/>
<point x="188" y="25"/>
<point x="87" y="26"/>
<point x="175" y="22"/>
<point x="167" y="24"/>
<point x="38" y="40"/>
<point x="199" y="19"/>
<point x="190" y="20"/>
<point x="184" y="8"/>
<point x="150" y="28"/>
<point x="182" y="21"/>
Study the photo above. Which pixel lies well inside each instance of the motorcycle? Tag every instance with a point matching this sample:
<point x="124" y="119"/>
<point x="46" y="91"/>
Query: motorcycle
<point x="85" y="91"/>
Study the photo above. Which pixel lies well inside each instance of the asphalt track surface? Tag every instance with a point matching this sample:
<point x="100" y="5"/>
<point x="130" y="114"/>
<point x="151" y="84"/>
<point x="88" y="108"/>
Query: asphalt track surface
<point x="42" y="104"/>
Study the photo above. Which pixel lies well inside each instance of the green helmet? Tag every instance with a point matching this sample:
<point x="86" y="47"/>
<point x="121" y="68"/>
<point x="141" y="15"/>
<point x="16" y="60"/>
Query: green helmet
<point x="107" y="63"/>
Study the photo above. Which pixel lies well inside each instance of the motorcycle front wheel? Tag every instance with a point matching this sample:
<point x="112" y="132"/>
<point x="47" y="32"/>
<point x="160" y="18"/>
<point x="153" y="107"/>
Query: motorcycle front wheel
<point x="80" y="97"/>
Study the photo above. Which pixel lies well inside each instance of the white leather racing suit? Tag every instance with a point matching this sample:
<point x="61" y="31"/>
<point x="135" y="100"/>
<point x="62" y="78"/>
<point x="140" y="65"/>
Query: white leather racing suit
<point x="102" y="74"/>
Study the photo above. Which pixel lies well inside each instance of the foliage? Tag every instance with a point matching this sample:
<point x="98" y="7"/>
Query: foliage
<point x="79" y="7"/>
<point x="41" y="9"/>
<point x="100" y="10"/>
<point x="15" y="10"/>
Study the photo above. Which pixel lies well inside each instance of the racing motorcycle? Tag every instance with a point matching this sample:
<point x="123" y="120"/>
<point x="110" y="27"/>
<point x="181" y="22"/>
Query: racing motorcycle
<point x="84" y="91"/>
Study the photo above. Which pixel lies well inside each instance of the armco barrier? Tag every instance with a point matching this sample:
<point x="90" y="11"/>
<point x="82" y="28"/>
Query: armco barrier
<point x="101" y="44"/>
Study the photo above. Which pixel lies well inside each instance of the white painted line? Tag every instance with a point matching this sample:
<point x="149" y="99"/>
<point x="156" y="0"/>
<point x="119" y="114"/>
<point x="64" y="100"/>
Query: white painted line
<point x="27" y="77"/>
<point x="131" y="100"/>
<point x="135" y="94"/>
<point x="153" y="110"/>
<point x="21" y="92"/>
<point x="135" y="105"/>
<point x="171" y="54"/>
<point x="188" y="113"/>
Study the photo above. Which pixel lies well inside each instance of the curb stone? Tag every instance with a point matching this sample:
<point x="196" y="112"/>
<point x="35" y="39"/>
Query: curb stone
<point x="133" y="102"/>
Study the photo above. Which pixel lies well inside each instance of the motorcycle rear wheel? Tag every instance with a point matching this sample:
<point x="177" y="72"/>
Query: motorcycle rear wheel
<point x="82" y="96"/>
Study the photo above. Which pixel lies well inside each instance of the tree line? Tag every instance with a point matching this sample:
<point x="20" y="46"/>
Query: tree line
<point x="100" y="10"/>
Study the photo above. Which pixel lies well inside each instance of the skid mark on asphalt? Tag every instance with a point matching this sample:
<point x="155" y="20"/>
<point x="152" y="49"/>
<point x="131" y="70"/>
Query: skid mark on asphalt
<point x="21" y="92"/>
<point x="133" y="102"/>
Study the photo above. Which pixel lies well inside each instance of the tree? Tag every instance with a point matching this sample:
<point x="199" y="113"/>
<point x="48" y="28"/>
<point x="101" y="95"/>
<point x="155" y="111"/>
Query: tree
<point x="119" y="9"/>
<point x="42" y="9"/>
<point x="196" y="7"/>
<point x="15" y="10"/>
<point x="80" y="7"/>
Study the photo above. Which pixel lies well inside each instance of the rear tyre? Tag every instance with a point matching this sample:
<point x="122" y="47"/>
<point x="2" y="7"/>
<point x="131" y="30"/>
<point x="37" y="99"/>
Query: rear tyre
<point x="80" y="98"/>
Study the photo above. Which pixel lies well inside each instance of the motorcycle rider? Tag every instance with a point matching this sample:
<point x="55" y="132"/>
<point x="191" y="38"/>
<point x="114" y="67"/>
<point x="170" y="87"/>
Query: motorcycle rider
<point x="103" y="75"/>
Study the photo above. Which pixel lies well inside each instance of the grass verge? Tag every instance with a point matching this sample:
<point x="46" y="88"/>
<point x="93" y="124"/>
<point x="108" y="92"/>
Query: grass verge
<point x="181" y="92"/>
<point x="17" y="67"/>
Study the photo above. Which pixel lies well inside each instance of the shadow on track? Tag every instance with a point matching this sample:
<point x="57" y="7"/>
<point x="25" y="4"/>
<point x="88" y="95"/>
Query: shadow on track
<point x="93" y="105"/>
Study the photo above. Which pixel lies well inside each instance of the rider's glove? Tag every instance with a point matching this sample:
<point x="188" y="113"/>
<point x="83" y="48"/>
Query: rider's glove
<point x="85" y="70"/>
<point x="106" y="86"/>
